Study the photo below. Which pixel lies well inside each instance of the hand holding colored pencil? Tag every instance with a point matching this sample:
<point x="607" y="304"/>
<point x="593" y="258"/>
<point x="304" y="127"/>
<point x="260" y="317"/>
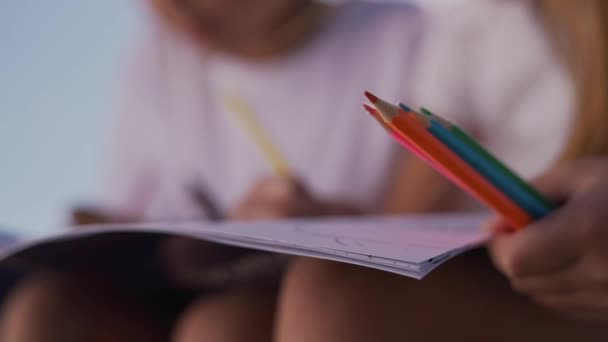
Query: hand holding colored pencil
<point x="457" y="156"/>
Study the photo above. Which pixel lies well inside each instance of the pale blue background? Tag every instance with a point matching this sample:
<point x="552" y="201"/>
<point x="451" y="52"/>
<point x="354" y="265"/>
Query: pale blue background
<point x="58" y="65"/>
<point x="58" y="62"/>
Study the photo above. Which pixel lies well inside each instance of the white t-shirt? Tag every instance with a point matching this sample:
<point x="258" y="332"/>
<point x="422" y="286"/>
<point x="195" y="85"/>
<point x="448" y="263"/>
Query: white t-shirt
<point x="489" y="65"/>
<point x="174" y="131"/>
<point x="486" y="67"/>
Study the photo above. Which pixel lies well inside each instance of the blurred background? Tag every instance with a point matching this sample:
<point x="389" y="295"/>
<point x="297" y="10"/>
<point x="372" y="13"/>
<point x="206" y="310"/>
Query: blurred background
<point x="58" y="62"/>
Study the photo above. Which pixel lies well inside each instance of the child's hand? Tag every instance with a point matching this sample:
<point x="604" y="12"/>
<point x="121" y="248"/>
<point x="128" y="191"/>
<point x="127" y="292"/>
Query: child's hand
<point x="561" y="261"/>
<point x="275" y="198"/>
<point x="86" y="216"/>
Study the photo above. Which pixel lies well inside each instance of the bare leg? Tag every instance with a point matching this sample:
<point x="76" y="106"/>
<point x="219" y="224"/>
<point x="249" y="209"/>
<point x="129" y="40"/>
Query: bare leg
<point x="465" y="300"/>
<point x="56" y="308"/>
<point x="229" y="317"/>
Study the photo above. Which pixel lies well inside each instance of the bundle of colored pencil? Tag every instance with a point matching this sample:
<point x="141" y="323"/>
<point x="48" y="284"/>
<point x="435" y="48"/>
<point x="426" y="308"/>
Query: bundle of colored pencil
<point x="461" y="159"/>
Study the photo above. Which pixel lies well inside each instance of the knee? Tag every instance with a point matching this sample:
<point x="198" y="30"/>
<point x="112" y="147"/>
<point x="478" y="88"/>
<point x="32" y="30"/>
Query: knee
<point x="38" y="295"/>
<point x="321" y="290"/>
<point x="57" y="307"/>
<point x="326" y="301"/>
<point x="315" y="291"/>
<point x="321" y="279"/>
<point x="230" y="316"/>
<point x="312" y="276"/>
<point x="36" y="304"/>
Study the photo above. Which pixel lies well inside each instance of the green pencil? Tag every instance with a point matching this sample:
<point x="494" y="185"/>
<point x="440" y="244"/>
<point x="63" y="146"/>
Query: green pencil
<point x="467" y="139"/>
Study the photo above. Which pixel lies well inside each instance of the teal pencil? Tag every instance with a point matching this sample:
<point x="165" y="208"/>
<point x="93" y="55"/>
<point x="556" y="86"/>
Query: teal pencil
<point x="497" y="163"/>
<point x="485" y="163"/>
<point x="535" y="196"/>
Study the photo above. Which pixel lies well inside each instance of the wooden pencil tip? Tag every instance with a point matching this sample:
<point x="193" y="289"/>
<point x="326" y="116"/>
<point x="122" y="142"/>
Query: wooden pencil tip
<point x="370" y="109"/>
<point x="373" y="98"/>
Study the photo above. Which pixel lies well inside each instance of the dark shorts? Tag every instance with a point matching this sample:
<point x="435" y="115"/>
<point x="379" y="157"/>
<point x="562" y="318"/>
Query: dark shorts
<point x="132" y="265"/>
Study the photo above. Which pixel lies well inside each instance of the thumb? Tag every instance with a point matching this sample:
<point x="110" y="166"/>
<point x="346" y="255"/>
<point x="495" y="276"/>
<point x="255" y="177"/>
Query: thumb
<point x="564" y="181"/>
<point x="558" y="183"/>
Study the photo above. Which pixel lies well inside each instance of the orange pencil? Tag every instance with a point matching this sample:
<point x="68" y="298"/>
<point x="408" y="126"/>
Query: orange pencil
<point x="394" y="111"/>
<point x="374" y="113"/>
<point x="403" y="141"/>
<point x="413" y="131"/>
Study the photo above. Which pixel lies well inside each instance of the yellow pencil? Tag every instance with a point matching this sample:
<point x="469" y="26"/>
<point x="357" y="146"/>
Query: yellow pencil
<point x="247" y="118"/>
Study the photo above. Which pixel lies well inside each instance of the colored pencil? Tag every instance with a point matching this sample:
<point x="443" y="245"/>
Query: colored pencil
<point x="488" y="170"/>
<point x="372" y="111"/>
<point x="415" y="133"/>
<point x="395" y="134"/>
<point x="247" y="118"/>
<point x="443" y="130"/>
<point x="538" y="203"/>
<point x="411" y="147"/>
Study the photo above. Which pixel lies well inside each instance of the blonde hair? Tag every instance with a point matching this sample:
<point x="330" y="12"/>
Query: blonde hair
<point x="580" y="32"/>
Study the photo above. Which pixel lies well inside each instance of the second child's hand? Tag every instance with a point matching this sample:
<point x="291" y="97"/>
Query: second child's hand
<point x="561" y="261"/>
<point x="81" y="216"/>
<point x="282" y="197"/>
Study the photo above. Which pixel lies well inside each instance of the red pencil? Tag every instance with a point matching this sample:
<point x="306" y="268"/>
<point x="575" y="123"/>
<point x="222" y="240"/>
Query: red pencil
<point x="403" y="141"/>
<point x="452" y="166"/>
<point x="391" y="110"/>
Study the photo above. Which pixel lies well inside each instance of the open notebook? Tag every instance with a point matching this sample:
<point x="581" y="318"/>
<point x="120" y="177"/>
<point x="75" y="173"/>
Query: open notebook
<point x="408" y="245"/>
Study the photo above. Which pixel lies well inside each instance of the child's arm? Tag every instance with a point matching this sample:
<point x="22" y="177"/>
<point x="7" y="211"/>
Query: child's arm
<point x="562" y="260"/>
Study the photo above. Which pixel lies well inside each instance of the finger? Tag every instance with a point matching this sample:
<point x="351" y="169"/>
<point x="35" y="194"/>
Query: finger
<point x="582" y="304"/>
<point x="543" y="247"/>
<point x="564" y="312"/>
<point x="563" y="181"/>
<point x="260" y="198"/>
<point x="583" y="273"/>
<point x="557" y="184"/>
<point x="254" y="207"/>
<point x="85" y="216"/>
<point x="260" y="211"/>
<point x="564" y="281"/>
<point x="279" y="188"/>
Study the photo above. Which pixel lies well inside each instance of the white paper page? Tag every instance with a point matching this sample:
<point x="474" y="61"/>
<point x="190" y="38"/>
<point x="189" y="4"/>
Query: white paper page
<point x="417" y="271"/>
<point x="401" y="245"/>
<point x="411" y="239"/>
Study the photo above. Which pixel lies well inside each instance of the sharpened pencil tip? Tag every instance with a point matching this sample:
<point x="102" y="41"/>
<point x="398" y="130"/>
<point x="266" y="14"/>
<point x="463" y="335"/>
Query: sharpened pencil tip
<point x="373" y="98"/>
<point x="370" y="109"/>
